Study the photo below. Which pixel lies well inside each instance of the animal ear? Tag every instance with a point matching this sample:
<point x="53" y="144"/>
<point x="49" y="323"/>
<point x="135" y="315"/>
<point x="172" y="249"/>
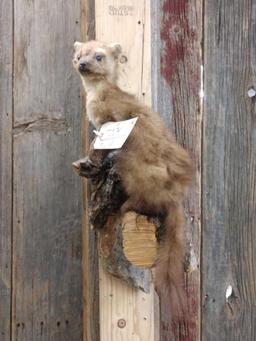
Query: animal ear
<point x="77" y="45"/>
<point x="116" y="49"/>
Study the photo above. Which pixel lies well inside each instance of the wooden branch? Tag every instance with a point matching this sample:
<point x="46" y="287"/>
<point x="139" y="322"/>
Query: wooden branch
<point x="113" y="258"/>
<point x="121" y="238"/>
<point x="107" y="194"/>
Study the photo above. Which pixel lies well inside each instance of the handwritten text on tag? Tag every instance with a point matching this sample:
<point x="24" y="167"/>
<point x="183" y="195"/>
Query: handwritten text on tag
<point x="112" y="135"/>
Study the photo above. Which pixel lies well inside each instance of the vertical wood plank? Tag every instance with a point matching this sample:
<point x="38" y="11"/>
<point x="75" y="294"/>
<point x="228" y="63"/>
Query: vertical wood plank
<point x="6" y="63"/>
<point x="176" y="81"/>
<point x="229" y="183"/>
<point x="126" y="313"/>
<point x="123" y="21"/>
<point x="91" y="328"/>
<point x="47" y="281"/>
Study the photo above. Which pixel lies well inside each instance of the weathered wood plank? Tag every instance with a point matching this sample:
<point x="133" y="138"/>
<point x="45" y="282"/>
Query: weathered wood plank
<point x="47" y="240"/>
<point x="6" y="59"/>
<point x="229" y="183"/>
<point x="124" y="22"/>
<point x="176" y="60"/>
<point x="91" y="328"/>
<point x="127" y="311"/>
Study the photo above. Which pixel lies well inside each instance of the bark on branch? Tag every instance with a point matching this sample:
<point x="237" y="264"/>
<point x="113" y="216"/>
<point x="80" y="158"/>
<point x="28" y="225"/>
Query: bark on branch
<point x="120" y="237"/>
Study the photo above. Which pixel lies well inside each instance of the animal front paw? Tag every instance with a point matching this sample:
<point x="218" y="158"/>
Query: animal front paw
<point x="85" y="167"/>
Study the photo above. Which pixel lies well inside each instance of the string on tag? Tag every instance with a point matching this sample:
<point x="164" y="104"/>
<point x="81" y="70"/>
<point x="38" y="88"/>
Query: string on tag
<point x="97" y="133"/>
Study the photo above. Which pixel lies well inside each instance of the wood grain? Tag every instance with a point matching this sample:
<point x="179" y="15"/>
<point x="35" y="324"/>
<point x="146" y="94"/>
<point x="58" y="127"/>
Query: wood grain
<point x="125" y="22"/>
<point x="6" y="64"/>
<point x="229" y="159"/>
<point x="47" y="245"/>
<point x="137" y="230"/>
<point x="125" y="311"/>
<point x="114" y="261"/>
<point x="176" y="60"/>
<point x="91" y="328"/>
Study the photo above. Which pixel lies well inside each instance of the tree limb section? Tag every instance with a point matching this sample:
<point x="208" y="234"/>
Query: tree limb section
<point x="127" y="244"/>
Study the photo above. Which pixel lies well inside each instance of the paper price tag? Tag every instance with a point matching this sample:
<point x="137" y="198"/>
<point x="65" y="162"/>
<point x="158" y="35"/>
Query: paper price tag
<point x="112" y="135"/>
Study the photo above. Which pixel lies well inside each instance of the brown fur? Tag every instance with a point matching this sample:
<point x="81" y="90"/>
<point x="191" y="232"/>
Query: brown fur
<point x="154" y="169"/>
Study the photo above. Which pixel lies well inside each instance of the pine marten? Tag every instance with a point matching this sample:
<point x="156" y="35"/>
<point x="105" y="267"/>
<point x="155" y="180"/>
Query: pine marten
<point x="155" y="171"/>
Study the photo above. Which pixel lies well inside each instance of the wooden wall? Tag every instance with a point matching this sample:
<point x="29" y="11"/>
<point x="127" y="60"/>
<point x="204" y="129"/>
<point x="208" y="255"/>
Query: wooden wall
<point x="40" y="196"/>
<point x="229" y="169"/>
<point x="197" y="47"/>
<point x="207" y="47"/>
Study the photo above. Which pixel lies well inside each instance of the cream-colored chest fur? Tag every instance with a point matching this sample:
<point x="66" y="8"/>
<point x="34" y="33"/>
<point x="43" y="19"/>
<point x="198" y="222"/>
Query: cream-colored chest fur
<point x="91" y="101"/>
<point x="93" y="98"/>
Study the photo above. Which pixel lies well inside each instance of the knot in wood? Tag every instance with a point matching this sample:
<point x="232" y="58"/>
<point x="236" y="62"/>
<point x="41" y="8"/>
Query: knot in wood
<point x="251" y="93"/>
<point x="121" y="323"/>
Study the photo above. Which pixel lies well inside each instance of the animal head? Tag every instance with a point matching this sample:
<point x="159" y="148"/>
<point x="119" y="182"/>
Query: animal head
<point x="95" y="60"/>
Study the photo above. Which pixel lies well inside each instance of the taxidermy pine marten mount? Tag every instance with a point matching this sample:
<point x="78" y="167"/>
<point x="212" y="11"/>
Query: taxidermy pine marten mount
<point x="149" y="175"/>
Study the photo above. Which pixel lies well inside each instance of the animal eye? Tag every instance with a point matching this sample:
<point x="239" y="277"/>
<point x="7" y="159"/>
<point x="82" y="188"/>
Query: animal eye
<point x="99" y="57"/>
<point x="78" y="57"/>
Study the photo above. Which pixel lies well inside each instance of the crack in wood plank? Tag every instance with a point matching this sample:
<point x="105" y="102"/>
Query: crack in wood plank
<point x="52" y="124"/>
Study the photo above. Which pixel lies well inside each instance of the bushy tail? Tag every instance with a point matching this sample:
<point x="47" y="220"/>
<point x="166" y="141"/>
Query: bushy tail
<point x="169" y="272"/>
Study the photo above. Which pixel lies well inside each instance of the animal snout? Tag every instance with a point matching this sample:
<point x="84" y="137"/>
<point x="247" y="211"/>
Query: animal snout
<point x="83" y="66"/>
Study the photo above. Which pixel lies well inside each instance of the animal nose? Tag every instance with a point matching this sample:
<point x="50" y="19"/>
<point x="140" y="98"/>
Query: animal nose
<point x="83" y="66"/>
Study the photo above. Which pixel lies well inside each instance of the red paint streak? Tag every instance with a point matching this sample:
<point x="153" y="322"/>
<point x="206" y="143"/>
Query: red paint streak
<point x="182" y="331"/>
<point x="178" y="39"/>
<point x="185" y="328"/>
<point x="179" y="56"/>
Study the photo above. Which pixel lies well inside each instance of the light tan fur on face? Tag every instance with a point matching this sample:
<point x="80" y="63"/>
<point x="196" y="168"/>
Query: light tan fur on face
<point x="155" y="170"/>
<point x="106" y="69"/>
